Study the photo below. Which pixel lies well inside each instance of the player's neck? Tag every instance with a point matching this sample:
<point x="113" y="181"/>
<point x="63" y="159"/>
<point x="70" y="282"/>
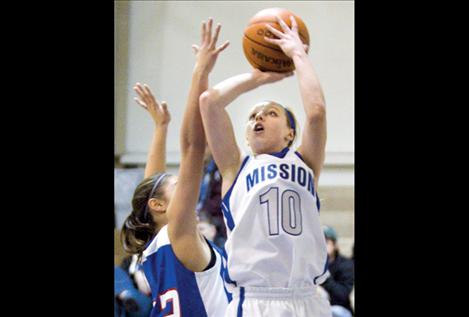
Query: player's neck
<point x="269" y="150"/>
<point x="158" y="226"/>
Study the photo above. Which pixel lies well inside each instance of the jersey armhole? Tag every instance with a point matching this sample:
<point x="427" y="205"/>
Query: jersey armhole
<point x="227" y="195"/>
<point x="300" y="156"/>
<point x="213" y="257"/>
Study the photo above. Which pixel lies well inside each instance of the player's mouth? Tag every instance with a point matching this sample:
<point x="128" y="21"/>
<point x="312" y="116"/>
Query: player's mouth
<point x="258" y="128"/>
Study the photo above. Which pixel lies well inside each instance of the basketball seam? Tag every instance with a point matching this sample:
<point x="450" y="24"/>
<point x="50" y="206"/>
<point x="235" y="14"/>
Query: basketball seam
<point x="262" y="67"/>
<point x="259" y="65"/>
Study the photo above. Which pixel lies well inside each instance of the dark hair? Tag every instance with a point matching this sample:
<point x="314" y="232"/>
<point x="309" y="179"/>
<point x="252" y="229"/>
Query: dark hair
<point x="291" y="122"/>
<point x="139" y="227"/>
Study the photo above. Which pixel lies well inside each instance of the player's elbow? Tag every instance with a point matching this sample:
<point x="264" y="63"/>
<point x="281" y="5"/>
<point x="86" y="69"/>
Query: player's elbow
<point x="205" y="100"/>
<point x="316" y="113"/>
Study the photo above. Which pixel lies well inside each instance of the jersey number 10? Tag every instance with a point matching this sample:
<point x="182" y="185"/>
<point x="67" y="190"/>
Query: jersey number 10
<point x="287" y="211"/>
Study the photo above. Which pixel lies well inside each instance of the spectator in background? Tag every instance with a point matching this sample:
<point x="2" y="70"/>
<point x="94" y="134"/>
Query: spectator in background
<point x="135" y="270"/>
<point x="208" y="228"/>
<point x="339" y="285"/>
<point x="129" y="300"/>
<point x="209" y="202"/>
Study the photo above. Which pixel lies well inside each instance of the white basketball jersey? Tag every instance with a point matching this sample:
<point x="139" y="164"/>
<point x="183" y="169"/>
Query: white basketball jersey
<point x="272" y="216"/>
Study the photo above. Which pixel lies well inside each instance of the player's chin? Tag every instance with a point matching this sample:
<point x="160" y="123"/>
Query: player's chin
<point x="260" y="144"/>
<point x="257" y="139"/>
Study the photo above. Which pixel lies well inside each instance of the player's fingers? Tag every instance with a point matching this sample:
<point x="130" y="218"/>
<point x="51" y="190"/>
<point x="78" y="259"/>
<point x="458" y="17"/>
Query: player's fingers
<point x="164" y="106"/>
<point x="202" y="33"/>
<point x="148" y="91"/>
<point x="143" y="105"/>
<point x="222" y="47"/>
<point x="139" y="90"/>
<point x="274" y="31"/>
<point x="215" y="37"/>
<point x="283" y="25"/>
<point x="280" y="76"/>
<point x="294" y="24"/>
<point x="272" y="41"/>
<point x="208" y="35"/>
<point x="144" y="95"/>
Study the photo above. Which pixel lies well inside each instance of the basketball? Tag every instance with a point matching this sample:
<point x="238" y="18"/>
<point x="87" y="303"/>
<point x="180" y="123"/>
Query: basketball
<point x="266" y="56"/>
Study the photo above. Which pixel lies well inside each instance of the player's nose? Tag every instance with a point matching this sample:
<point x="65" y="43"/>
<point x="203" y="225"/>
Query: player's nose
<point x="260" y="116"/>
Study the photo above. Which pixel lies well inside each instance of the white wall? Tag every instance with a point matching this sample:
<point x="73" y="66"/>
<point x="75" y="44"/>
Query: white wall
<point x="160" y="35"/>
<point x="121" y="35"/>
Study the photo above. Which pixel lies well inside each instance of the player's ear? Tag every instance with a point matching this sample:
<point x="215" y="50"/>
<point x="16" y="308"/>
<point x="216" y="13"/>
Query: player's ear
<point x="290" y="136"/>
<point x="157" y="205"/>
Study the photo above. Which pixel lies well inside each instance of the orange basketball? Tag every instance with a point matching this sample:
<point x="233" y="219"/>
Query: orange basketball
<point x="266" y="56"/>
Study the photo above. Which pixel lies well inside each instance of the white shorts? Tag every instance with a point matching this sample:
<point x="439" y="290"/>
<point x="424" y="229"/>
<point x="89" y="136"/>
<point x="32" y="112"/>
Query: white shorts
<point x="277" y="302"/>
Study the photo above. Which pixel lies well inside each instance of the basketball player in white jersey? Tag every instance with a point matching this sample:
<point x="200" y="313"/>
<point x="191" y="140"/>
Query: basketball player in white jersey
<point x="276" y="248"/>
<point x="184" y="270"/>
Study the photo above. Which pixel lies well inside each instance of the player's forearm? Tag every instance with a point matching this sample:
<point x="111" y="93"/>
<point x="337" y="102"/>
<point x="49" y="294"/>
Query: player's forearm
<point x="156" y="159"/>
<point x="192" y="132"/>
<point x="220" y="134"/>
<point x="225" y="92"/>
<point x="310" y="88"/>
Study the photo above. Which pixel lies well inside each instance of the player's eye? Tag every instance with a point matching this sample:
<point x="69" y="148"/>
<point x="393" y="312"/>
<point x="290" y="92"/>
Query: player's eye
<point x="252" y="116"/>
<point x="273" y="113"/>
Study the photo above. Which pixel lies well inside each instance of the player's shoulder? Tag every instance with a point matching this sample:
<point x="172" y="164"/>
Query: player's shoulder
<point x="159" y="241"/>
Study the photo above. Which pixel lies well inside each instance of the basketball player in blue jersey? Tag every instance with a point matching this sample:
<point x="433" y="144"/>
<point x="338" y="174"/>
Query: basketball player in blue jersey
<point x="183" y="269"/>
<point x="276" y="248"/>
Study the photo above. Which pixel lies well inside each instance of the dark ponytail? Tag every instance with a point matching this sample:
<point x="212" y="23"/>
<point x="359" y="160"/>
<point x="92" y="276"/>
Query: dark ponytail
<point x="139" y="227"/>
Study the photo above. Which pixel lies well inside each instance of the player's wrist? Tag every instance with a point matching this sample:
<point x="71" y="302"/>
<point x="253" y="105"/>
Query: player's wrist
<point x="298" y="55"/>
<point x="162" y="126"/>
<point x="258" y="78"/>
<point x="201" y="69"/>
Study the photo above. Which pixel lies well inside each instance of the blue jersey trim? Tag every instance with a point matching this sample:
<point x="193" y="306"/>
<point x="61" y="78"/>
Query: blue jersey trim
<point x="229" y="297"/>
<point x="299" y="155"/>
<point x="318" y="203"/>
<point x="241" y="301"/>
<point x="280" y="154"/>
<point x="325" y="270"/>
<point x="225" y="203"/>
<point x="226" y="199"/>
<point x="227" y="277"/>
<point x="227" y="215"/>
<point x="222" y="254"/>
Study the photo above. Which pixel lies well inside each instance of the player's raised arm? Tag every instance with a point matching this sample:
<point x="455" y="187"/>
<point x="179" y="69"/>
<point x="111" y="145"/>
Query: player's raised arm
<point x="156" y="157"/>
<point x="217" y="123"/>
<point x="313" y="140"/>
<point x="188" y="244"/>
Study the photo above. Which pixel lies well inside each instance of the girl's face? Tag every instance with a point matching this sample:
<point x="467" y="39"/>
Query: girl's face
<point x="267" y="129"/>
